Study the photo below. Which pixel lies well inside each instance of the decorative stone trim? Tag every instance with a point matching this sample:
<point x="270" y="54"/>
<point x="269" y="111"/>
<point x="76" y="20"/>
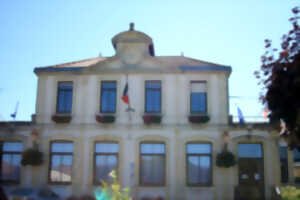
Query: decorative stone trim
<point x="61" y="118"/>
<point x="197" y="119"/>
<point x="105" y="119"/>
<point x="152" y="119"/>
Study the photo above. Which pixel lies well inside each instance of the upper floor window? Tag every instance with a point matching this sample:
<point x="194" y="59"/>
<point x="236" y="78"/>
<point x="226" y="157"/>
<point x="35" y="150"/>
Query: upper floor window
<point x="105" y="160"/>
<point x="199" y="164"/>
<point x="61" y="157"/>
<point x="153" y="97"/>
<point x="10" y="158"/>
<point x="198" y="98"/>
<point x="152" y="163"/>
<point x="64" y="97"/>
<point x="108" y="96"/>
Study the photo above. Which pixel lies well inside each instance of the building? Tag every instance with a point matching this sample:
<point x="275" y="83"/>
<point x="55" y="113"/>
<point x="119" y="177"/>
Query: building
<point x="164" y="143"/>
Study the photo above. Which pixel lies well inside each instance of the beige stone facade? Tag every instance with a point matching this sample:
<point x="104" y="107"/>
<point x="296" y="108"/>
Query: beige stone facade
<point x="136" y="63"/>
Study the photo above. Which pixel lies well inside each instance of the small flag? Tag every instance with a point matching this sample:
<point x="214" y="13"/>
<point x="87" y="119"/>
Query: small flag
<point x="125" y="97"/>
<point x="14" y="115"/>
<point x="266" y="113"/>
<point x="240" y="116"/>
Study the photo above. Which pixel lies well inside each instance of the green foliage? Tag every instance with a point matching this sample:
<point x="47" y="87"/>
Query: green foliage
<point x="112" y="191"/>
<point x="32" y="156"/>
<point x="152" y="119"/>
<point x="225" y="159"/>
<point x="105" y="119"/>
<point x="280" y="79"/>
<point x="290" y="193"/>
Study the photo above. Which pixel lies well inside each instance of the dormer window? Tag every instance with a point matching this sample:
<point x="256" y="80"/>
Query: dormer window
<point x="151" y="50"/>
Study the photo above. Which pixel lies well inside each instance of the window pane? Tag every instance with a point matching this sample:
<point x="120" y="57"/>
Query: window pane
<point x="64" y="104"/>
<point x="108" y="96"/>
<point x="104" y="165"/>
<point x="153" y="96"/>
<point x="12" y="147"/>
<point x="193" y="169"/>
<point x="107" y="148"/>
<point x="108" y="85"/>
<point x="152" y="169"/>
<point x="61" y="168"/>
<point x="199" y="148"/>
<point x="198" y="102"/>
<point x="153" y="148"/>
<point x="153" y="84"/>
<point x="62" y="147"/>
<point x="249" y="150"/>
<point x="296" y="155"/>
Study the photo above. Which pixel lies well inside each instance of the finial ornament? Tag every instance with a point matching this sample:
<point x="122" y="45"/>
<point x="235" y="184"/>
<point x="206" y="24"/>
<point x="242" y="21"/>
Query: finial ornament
<point x="131" y="26"/>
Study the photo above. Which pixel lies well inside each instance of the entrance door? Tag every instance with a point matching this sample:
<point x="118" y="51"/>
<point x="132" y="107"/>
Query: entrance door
<point x="251" y="171"/>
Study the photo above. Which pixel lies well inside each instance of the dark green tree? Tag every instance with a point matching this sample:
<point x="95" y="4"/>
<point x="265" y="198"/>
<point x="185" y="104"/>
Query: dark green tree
<point x="279" y="76"/>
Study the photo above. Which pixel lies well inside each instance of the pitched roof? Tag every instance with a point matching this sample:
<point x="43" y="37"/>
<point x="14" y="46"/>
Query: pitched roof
<point x="179" y="62"/>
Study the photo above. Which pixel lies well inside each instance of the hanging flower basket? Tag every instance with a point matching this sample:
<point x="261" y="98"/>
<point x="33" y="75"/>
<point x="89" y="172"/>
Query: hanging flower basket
<point x="32" y="157"/>
<point x="61" y="118"/>
<point x="152" y="119"/>
<point x="105" y="119"/>
<point x="225" y="159"/>
<point x="197" y="119"/>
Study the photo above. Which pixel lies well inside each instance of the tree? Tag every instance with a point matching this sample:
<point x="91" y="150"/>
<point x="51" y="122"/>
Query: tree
<point x="279" y="76"/>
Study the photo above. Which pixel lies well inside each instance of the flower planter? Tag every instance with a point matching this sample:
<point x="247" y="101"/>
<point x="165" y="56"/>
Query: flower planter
<point x="61" y="118"/>
<point x="152" y="119"/>
<point x="198" y="119"/>
<point x="32" y="157"/>
<point x="105" y="119"/>
<point x="225" y="159"/>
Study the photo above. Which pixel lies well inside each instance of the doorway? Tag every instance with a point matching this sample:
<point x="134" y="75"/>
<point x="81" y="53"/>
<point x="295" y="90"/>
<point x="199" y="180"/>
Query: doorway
<point x="251" y="171"/>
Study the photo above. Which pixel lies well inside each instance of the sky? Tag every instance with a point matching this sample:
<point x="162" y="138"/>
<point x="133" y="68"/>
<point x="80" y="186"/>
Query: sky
<point x="37" y="33"/>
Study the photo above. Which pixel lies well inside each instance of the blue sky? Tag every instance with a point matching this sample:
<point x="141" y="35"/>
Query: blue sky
<point x="40" y="33"/>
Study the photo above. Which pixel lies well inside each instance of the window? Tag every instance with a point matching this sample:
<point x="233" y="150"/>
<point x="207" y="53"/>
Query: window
<point x="64" y="97"/>
<point x="152" y="164"/>
<point x="153" y="97"/>
<point x="199" y="164"/>
<point x="108" y="96"/>
<point x="105" y="160"/>
<point x="284" y="164"/>
<point x="10" y="158"/>
<point x="198" y="98"/>
<point x="61" y="156"/>
<point x="296" y="165"/>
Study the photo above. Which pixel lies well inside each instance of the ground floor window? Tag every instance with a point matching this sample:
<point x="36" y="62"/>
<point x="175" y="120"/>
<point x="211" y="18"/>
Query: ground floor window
<point x="105" y="160"/>
<point x="296" y="165"/>
<point x="284" y="164"/>
<point x="199" y="164"/>
<point x="152" y="163"/>
<point x="61" y="157"/>
<point x="10" y="158"/>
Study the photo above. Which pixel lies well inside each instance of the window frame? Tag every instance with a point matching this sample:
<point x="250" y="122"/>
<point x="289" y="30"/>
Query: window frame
<point x="284" y="161"/>
<point x="101" y="94"/>
<point x="155" y="89"/>
<point x="141" y="183"/>
<point x="10" y="153"/>
<point x="210" y="182"/>
<point x="57" y="97"/>
<point x="206" y="102"/>
<point x="60" y="154"/>
<point x="95" y="154"/>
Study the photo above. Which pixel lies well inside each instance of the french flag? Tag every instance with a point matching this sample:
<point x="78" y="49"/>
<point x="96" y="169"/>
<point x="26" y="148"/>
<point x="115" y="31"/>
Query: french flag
<point x="125" y="97"/>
